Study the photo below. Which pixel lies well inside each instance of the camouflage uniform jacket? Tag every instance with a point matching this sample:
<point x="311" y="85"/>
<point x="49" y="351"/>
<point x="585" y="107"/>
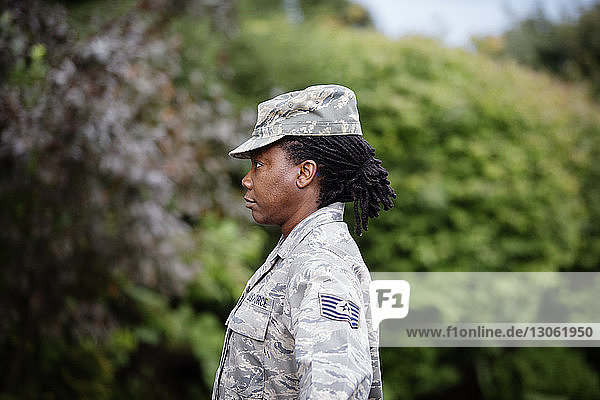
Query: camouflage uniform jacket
<point x="302" y="328"/>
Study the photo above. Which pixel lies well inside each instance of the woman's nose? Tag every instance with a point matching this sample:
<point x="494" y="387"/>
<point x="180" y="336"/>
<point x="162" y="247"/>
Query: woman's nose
<point x="247" y="182"/>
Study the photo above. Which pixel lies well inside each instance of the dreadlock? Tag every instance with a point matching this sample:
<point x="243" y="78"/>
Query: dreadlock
<point x="347" y="170"/>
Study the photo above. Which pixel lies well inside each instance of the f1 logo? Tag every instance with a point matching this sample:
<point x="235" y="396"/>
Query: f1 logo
<point x="389" y="299"/>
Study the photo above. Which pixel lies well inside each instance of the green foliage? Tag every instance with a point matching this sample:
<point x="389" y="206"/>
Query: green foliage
<point x="533" y="374"/>
<point x="196" y="336"/>
<point x="187" y="331"/>
<point x="412" y="373"/>
<point x="569" y="48"/>
<point x="24" y="50"/>
<point x="28" y="75"/>
<point x="225" y="252"/>
<point x="62" y="371"/>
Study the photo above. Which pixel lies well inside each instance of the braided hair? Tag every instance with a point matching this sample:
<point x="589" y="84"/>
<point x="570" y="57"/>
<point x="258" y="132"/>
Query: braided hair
<point x="347" y="171"/>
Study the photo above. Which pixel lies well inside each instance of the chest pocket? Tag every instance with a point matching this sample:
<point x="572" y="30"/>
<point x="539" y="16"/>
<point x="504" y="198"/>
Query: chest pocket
<point x="252" y="317"/>
<point x="248" y="323"/>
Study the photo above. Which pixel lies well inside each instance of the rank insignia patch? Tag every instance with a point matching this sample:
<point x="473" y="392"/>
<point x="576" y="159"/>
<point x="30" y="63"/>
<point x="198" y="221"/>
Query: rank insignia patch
<point x="338" y="309"/>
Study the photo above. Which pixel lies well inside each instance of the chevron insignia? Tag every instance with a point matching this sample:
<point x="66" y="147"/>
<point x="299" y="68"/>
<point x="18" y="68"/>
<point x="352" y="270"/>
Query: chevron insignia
<point x="338" y="309"/>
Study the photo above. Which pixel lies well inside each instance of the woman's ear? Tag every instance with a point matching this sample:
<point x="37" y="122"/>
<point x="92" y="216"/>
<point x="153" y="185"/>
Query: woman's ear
<point x="307" y="171"/>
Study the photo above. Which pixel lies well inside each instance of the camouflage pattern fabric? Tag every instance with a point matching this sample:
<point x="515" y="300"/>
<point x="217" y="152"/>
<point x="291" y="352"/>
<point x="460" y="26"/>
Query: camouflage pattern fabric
<point x="302" y="328"/>
<point x="322" y="110"/>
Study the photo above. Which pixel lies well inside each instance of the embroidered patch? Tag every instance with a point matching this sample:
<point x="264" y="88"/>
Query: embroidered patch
<point x="259" y="300"/>
<point x="338" y="309"/>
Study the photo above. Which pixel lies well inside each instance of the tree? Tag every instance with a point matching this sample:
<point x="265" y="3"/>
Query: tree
<point x="569" y="49"/>
<point x="101" y="158"/>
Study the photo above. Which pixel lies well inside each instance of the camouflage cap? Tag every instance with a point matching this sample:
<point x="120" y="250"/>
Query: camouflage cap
<point x="323" y="110"/>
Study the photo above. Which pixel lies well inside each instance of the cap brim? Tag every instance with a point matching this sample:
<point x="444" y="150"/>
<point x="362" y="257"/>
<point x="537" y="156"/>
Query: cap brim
<point x="254" y="143"/>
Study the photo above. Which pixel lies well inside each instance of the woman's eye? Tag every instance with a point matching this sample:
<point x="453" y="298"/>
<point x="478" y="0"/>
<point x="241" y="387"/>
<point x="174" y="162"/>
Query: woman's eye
<point x="257" y="164"/>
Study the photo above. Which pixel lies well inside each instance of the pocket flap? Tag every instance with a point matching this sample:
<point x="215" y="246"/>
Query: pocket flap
<point x="250" y="319"/>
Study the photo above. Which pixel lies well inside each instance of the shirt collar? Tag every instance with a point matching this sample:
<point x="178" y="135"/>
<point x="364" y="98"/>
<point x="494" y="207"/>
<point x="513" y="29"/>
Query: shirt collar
<point x="331" y="213"/>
